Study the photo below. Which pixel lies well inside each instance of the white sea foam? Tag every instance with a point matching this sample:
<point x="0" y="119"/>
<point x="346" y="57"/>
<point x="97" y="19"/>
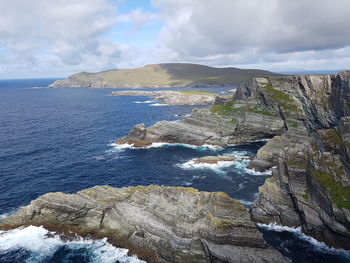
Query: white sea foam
<point x="159" y="104"/>
<point x="240" y="162"/>
<point x="253" y="172"/>
<point x="204" y="147"/>
<point x="246" y="203"/>
<point x="146" y="102"/>
<point x="217" y="167"/>
<point x="37" y="88"/>
<point x="41" y="244"/>
<point x="297" y="231"/>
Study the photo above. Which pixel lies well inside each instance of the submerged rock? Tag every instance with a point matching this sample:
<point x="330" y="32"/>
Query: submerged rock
<point x="214" y="159"/>
<point x="160" y="224"/>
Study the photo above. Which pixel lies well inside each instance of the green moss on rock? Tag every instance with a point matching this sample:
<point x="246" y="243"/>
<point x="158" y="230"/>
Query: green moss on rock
<point x="340" y="195"/>
<point x="282" y="99"/>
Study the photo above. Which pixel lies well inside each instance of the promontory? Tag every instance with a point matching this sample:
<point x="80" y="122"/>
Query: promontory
<point x="161" y="76"/>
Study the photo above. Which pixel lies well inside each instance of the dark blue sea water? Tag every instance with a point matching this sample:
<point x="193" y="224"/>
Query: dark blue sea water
<point x="62" y="140"/>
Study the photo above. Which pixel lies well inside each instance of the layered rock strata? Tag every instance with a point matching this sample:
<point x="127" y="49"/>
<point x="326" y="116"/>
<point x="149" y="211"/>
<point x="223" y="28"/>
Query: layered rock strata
<point x="307" y="118"/>
<point x="161" y="224"/>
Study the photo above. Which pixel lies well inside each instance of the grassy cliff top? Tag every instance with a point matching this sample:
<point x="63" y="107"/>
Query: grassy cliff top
<point x="171" y="74"/>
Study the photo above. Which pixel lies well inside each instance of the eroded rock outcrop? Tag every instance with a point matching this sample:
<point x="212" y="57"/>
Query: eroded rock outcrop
<point x="307" y="118"/>
<point x="168" y="224"/>
<point x="310" y="185"/>
<point x="185" y="97"/>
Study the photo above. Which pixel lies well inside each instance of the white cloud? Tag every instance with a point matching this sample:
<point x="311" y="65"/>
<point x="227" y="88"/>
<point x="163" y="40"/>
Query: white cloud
<point x="241" y="32"/>
<point x="57" y="38"/>
<point x="137" y="17"/>
<point x="63" y="34"/>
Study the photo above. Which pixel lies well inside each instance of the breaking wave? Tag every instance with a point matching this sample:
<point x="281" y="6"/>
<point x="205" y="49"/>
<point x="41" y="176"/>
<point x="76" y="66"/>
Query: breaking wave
<point x="141" y="102"/>
<point x="159" y="104"/>
<point x="36" y="244"/>
<point x="204" y="147"/>
<point x="217" y="167"/>
<point x="320" y="246"/>
<point x="240" y="164"/>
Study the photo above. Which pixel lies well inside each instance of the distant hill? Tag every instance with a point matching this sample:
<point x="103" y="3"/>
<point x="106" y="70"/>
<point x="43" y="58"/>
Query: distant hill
<point x="161" y="75"/>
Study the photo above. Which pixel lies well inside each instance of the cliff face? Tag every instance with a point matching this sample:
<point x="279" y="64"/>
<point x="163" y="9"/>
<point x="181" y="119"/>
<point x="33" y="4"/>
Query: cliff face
<point x="308" y="119"/>
<point x="310" y="183"/>
<point x="162" y="224"/>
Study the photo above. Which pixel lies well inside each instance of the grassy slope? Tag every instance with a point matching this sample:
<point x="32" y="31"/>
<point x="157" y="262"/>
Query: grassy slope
<point x="173" y="74"/>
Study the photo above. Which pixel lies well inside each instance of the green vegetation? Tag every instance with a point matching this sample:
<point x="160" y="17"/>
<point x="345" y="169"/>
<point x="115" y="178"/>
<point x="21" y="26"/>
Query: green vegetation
<point x="196" y="92"/>
<point x="172" y="74"/>
<point x="306" y="196"/>
<point x="339" y="194"/>
<point x="225" y="109"/>
<point x="230" y="108"/>
<point x="296" y="164"/>
<point x="292" y="123"/>
<point x="332" y="136"/>
<point x="277" y="94"/>
<point x="284" y="100"/>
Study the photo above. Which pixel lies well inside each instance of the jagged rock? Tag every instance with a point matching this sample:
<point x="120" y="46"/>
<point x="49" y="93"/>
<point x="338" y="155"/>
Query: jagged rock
<point x="186" y="97"/>
<point x="265" y="107"/>
<point x="308" y="118"/>
<point x="310" y="186"/>
<point x="207" y="127"/>
<point x="171" y="224"/>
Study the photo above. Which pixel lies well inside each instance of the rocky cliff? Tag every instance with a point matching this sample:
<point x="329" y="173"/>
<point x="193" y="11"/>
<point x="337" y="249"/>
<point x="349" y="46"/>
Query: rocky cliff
<point x="160" y="224"/>
<point x="307" y="118"/>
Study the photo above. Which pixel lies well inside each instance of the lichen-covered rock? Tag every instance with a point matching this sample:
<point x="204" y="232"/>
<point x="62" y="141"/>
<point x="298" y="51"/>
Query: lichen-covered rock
<point x="169" y="224"/>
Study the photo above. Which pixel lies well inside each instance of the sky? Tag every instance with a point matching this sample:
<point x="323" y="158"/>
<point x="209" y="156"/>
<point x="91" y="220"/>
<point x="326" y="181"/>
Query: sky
<point x="56" y="38"/>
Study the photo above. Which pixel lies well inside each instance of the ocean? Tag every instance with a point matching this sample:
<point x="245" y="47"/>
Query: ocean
<point x="63" y="140"/>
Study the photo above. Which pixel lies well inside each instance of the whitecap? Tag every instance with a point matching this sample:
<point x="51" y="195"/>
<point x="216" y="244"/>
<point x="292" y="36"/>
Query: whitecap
<point x="204" y="147"/>
<point x="142" y="102"/>
<point x="242" y="162"/>
<point x="253" y="172"/>
<point x="42" y="243"/>
<point x="216" y="167"/>
<point x="36" y="88"/>
<point x="159" y="104"/>
<point x="320" y="246"/>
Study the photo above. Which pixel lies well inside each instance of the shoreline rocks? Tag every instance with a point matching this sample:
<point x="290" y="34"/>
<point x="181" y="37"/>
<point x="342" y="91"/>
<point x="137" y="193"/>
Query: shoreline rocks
<point x="214" y="159"/>
<point x="160" y="224"/>
<point x="308" y="119"/>
<point x="187" y="97"/>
